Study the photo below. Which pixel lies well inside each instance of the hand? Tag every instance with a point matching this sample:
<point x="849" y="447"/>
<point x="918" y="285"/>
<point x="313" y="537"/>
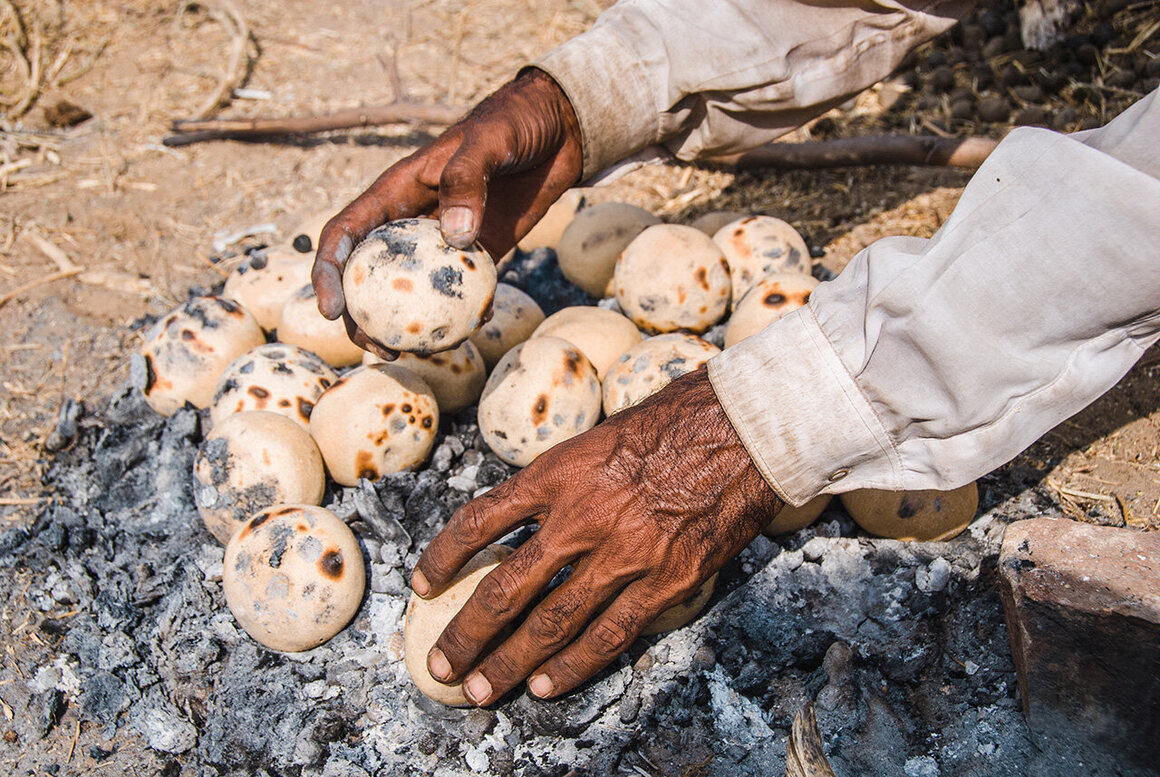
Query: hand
<point x="520" y="149"/>
<point x="645" y="507"/>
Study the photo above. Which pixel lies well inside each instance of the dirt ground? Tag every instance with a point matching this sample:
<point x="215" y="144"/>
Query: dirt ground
<point x="132" y="222"/>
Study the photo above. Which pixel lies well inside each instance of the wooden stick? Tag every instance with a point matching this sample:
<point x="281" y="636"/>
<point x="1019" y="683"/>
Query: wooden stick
<point x="804" y="756"/>
<point x="56" y="276"/>
<point x="864" y="152"/>
<point x="199" y="130"/>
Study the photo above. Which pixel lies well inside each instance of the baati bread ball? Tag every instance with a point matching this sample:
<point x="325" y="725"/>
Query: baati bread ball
<point x="600" y="334"/>
<point x="549" y="229"/>
<point x="426" y="619"/>
<point x="293" y="576"/>
<point x="673" y="277"/>
<point x="649" y="366"/>
<point x="456" y="377"/>
<point x="264" y="282"/>
<point x="921" y="516"/>
<point x="302" y="325"/>
<point x="712" y="221"/>
<point x="277" y="377"/>
<point x="411" y="291"/>
<point x="768" y="300"/>
<point x="678" y="615"/>
<point x="249" y="462"/>
<point x="790" y="519"/>
<point x="515" y="316"/>
<point x="186" y="351"/>
<point x="589" y="247"/>
<point x="542" y="392"/>
<point x="375" y="419"/>
<point x="756" y="246"/>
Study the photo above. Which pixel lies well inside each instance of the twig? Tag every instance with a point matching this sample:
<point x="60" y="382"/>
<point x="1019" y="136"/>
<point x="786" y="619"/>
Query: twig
<point x="804" y="756"/>
<point x="56" y="276"/>
<point x="226" y="14"/>
<point x="864" y="152"/>
<point x="15" y="501"/>
<point x="196" y="131"/>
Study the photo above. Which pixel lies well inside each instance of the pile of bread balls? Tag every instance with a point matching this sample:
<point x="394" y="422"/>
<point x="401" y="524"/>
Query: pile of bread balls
<point x="292" y="401"/>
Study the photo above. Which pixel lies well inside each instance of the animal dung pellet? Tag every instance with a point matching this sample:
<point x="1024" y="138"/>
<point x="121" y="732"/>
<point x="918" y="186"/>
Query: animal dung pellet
<point x="790" y="519"/>
<point x="302" y="325"/>
<point x="409" y="290"/>
<point x="456" y="376"/>
<point x="768" y="300"/>
<point x="375" y="419"/>
<point x="673" y="277"/>
<point x="759" y="245"/>
<point x="680" y="614"/>
<point x="427" y="618"/>
<point x="249" y="462"/>
<point x="277" y="377"/>
<point x="652" y="364"/>
<point x="305" y="235"/>
<point x="264" y="282"/>
<point x="293" y="576"/>
<point x="186" y="351"/>
<point x="589" y="246"/>
<point x="542" y="392"/>
<point x="548" y="230"/>
<point x="922" y="516"/>
<point x="515" y="316"/>
<point x="600" y="334"/>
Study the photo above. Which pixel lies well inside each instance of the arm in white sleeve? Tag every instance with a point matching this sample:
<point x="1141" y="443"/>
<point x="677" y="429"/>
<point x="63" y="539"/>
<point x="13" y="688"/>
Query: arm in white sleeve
<point x="710" y="78"/>
<point x="927" y="363"/>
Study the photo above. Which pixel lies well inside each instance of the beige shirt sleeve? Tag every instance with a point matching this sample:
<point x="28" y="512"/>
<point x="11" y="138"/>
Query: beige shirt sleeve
<point x="928" y="362"/>
<point x="704" y="78"/>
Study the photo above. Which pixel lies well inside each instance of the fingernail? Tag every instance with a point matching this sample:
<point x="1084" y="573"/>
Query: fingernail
<point x="419" y="582"/>
<point x="457" y="222"/>
<point x="540" y="685"/>
<point x="476" y="688"/>
<point x="438" y="665"/>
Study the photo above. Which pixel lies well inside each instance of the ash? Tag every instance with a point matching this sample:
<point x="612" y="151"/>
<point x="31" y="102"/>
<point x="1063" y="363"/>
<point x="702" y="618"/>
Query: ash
<point x="902" y="647"/>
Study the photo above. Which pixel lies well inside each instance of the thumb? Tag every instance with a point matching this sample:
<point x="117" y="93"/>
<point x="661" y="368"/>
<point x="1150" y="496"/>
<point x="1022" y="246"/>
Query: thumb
<point x="463" y="188"/>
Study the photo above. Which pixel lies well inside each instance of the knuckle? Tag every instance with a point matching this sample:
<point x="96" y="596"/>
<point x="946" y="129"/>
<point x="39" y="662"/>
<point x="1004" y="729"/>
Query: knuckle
<point x="496" y="593"/>
<point x="502" y="671"/>
<point x="550" y="628"/>
<point x="470" y="522"/>
<point x="457" y="647"/>
<point x="609" y="639"/>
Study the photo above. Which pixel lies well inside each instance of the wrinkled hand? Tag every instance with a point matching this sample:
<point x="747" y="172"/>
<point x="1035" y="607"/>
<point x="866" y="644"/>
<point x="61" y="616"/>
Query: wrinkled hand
<point x="645" y="507"/>
<point x="488" y="178"/>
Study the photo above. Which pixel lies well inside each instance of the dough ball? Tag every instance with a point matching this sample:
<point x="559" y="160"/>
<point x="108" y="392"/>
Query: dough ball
<point x="922" y="516"/>
<point x="293" y="576"/>
<point x="426" y="619"/>
<point x="673" y="277"/>
<point x="542" y="392"/>
<point x="710" y="222"/>
<point x="281" y="378"/>
<point x="515" y="316"/>
<point x="679" y="615"/>
<point x="374" y="420"/>
<point x="264" y="282"/>
<point x="302" y="325"/>
<point x="767" y="301"/>
<point x="759" y="245"/>
<point x="600" y="334"/>
<point x="791" y="519"/>
<point x="649" y="366"/>
<point x="456" y="377"/>
<point x="186" y="351"/>
<point x="589" y="246"/>
<point x="548" y="230"/>
<point x="249" y="462"/>
<point x="411" y="291"/>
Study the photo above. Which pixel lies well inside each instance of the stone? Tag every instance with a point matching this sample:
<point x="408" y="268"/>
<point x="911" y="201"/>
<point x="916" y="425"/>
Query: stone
<point x="1082" y="605"/>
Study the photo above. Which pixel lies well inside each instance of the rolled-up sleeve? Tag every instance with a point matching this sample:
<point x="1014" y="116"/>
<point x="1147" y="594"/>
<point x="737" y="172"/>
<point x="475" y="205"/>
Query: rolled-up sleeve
<point x="711" y="78"/>
<point x="927" y="363"/>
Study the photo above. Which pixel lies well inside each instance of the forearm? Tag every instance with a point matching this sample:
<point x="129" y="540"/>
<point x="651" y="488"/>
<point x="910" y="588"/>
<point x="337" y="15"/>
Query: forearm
<point x="705" y="79"/>
<point x="929" y="362"/>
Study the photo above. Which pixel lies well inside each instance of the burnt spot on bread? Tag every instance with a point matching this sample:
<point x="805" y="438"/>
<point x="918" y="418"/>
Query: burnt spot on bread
<point x="358" y="274"/>
<point x="283" y="402"/>
<point x="427" y="422"/>
<point x="388" y="409"/>
<point x="773" y="300"/>
<point x="702" y="276"/>
<point x="447" y="280"/>
<point x="305" y="408"/>
<point x="467" y="261"/>
<point x="330" y="564"/>
<point x="540" y="410"/>
<point x="364" y="465"/>
<point x="150" y="375"/>
<point x="187" y="335"/>
<point x="406" y="408"/>
<point x="281" y="368"/>
<point x="414" y="328"/>
<point x="805" y="297"/>
<point x="257" y="392"/>
<point x="572" y="362"/>
<point x="403" y="285"/>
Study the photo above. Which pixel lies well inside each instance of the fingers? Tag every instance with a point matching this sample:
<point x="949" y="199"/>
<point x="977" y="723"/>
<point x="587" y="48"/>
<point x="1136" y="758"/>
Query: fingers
<point x="548" y="629"/>
<point x="364" y="341"/>
<point x="498" y="599"/>
<point x="606" y="638"/>
<point x="475" y="525"/>
<point x="463" y="185"/>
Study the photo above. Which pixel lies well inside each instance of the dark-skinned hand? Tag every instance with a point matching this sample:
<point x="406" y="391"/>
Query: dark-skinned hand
<point x="489" y="179"/>
<point x="645" y="507"/>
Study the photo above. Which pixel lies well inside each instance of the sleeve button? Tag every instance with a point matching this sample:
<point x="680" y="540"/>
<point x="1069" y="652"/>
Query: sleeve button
<point x="838" y="475"/>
